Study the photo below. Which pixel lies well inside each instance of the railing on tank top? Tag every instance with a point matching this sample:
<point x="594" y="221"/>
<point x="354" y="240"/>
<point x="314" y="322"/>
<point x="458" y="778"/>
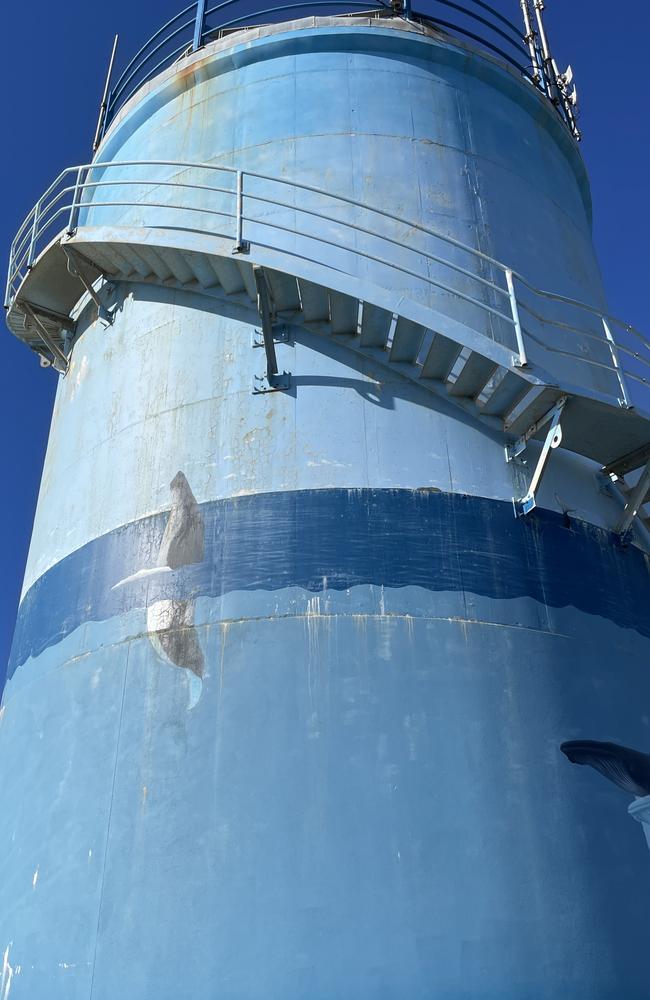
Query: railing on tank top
<point x="238" y="206"/>
<point x="203" y="22"/>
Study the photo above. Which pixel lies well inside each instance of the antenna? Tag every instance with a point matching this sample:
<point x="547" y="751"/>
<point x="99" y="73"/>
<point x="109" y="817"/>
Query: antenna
<point x="104" y="105"/>
<point x="557" y="84"/>
<point x="545" y="72"/>
<point x="530" y="38"/>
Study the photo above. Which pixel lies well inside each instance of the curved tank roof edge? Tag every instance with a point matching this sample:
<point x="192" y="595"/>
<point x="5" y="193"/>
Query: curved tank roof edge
<point x="291" y="37"/>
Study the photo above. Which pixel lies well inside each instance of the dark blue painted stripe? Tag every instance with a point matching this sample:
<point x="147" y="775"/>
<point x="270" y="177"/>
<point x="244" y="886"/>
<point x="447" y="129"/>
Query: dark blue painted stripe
<point x="394" y="538"/>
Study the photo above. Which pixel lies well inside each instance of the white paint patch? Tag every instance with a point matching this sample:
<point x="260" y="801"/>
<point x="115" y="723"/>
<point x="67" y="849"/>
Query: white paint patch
<point x="79" y="376"/>
<point x="67" y="965"/>
<point x="90" y="855"/>
<point x="328" y="462"/>
<point x="153" y="571"/>
<point x="35" y="877"/>
<point x="7" y="974"/>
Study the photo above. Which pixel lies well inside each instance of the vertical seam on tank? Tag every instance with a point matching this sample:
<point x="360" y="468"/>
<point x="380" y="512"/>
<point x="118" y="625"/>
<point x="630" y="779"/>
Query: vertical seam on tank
<point x="478" y="209"/>
<point x="108" y="824"/>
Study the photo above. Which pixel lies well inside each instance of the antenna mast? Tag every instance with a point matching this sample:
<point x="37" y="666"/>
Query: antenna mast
<point x="104" y="105"/>
<point x="545" y="70"/>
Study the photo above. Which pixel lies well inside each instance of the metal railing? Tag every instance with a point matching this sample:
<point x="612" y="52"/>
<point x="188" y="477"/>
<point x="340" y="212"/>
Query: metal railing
<point x="341" y="234"/>
<point x="201" y="22"/>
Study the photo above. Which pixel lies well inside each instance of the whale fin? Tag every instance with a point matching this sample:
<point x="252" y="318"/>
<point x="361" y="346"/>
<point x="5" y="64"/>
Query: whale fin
<point x="627" y="768"/>
<point x="141" y="575"/>
<point x="183" y="541"/>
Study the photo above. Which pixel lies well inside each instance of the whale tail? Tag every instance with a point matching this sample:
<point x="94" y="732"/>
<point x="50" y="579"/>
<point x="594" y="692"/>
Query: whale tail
<point x="628" y="769"/>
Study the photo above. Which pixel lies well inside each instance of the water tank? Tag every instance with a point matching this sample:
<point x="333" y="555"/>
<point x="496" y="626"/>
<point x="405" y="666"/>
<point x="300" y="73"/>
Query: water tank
<point x="340" y="533"/>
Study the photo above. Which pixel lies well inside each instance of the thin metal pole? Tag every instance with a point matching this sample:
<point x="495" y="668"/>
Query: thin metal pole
<point x="43" y="334"/>
<point x="514" y="307"/>
<point x="613" y="349"/>
<point x="199" y="25"/>
<point x="99" y="131"/>
<point x="240" y="246"/>
<point x="530" y="39"/>
<point x="74" y="208"/>
<point x="10" y="274"/>
<point x="264" y="307"/>
<point x="240" y="202"/>
<point x="549" y="69"/>
<point x="635" y="501"/>
<point x="32" y="242"/>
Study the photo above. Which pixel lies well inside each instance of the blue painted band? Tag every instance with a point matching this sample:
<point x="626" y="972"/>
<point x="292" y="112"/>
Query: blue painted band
<point x="392" y="538"/>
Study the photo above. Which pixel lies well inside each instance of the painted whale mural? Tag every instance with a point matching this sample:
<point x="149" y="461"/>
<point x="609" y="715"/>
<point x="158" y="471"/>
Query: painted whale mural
<point x="170" y="621"/>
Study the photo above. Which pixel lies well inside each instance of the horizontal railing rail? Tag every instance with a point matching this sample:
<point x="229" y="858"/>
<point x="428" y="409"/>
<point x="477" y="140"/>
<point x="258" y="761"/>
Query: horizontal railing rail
<point x="201" y="22"/>
<point x="340" y="233"/>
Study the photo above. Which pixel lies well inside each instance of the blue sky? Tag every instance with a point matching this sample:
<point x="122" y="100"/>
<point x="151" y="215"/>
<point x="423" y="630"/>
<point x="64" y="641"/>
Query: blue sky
<point x="53" y="67"/>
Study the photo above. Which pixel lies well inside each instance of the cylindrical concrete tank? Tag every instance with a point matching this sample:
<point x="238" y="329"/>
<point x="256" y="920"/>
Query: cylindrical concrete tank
<point x="289" y="677"/>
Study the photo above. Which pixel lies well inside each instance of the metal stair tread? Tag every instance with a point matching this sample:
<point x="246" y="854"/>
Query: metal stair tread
<point x="375" y="325"/>
<point x="518" y="397"/>
<point x="344" y="313"/>
<point x="407" y="339"/>
<point x="469" y="374"/>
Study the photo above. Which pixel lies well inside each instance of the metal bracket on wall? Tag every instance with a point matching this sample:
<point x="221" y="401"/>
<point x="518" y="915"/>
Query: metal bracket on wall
<point x="272" y="380"/>
<point x="635" y="501"/>
<point x="553" y="440"/>
<point x="59" y="359"/>
<point x="77" y="268"/>
<point x="280" y="335"/>
<point x="274" y="383"/>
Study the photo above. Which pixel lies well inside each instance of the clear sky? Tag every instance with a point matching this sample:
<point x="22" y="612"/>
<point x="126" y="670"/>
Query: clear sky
<point x="53" y="67"/>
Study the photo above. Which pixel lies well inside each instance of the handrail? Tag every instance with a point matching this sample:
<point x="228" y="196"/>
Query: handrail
<point x="75" y="190"/>
<point x="475" y="19"/>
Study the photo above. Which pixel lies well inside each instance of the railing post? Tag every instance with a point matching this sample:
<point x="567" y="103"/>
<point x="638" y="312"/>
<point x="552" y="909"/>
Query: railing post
<point x="10" y="274"/>
<point x="199" y="25"/>
<point x="74" y="208"/>
<point x="32" y="242"/>
<point x="241" y="245"/>
<point x="625" y="400"/>
<point x="514" y="308"/>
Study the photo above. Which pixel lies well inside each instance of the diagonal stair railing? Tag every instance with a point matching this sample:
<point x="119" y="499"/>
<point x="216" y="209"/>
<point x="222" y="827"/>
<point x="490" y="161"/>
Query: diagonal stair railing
<point x="541" y="329"/>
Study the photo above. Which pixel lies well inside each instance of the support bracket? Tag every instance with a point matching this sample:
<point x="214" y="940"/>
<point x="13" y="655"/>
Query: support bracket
<point x="271" y="383"/>
<point x="635" y="501"/>
<point x="553" y="440"/>
<point x="77" y="268"/>
<point x="59" y="359"/>
<point x="280" y="335"/>
<point x="272" y="380"/>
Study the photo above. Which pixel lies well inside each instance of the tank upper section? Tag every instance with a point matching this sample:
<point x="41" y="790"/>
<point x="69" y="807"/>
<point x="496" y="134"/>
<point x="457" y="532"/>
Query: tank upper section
<point x="398" y="192"/>
<point x="388" y="113"/>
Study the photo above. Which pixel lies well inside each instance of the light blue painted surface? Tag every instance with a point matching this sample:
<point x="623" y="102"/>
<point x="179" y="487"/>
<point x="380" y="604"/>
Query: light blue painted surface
<point x="431" y="130"/>
<point x="364" y="796"/>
